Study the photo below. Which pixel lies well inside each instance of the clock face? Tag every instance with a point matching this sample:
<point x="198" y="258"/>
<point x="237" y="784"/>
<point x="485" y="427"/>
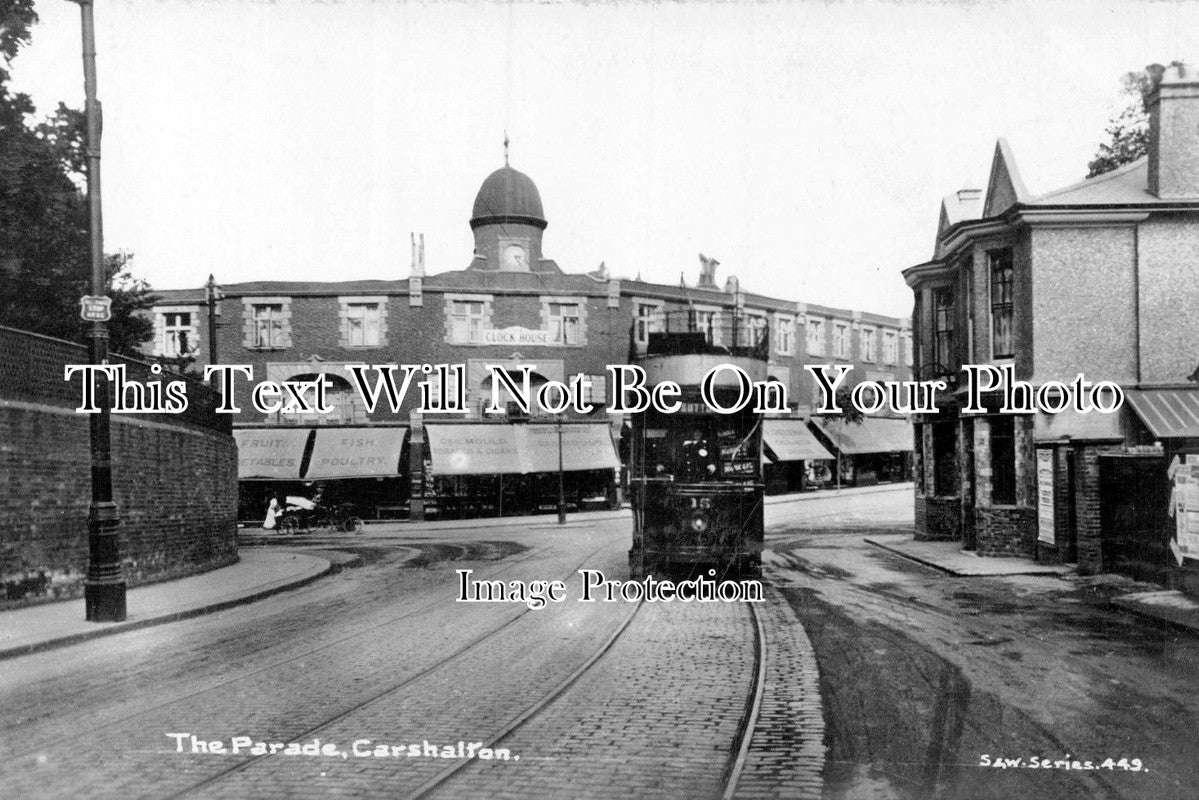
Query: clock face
<point x="515" y="259"/>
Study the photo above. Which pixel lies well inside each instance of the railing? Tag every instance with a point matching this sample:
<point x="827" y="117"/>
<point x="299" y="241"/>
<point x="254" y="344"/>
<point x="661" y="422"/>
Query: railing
<point x="697" y="331"/>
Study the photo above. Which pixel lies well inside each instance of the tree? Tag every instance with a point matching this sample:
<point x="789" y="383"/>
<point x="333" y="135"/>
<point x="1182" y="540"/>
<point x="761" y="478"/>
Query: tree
<point x="1128" y="131"/>
<point x="45" y="261"/>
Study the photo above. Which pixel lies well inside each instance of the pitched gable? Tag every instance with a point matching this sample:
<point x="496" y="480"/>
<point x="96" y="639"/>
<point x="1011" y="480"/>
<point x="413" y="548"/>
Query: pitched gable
<point x="1005" y="186"/>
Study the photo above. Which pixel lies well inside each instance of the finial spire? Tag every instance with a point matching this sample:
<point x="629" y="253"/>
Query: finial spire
<point x="505" y="147"/>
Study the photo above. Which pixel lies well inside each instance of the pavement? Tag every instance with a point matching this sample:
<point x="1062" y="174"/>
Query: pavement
<point x="951" y="558"/>
<point x="256" y="575"/>
<point x="1172" y="606"/>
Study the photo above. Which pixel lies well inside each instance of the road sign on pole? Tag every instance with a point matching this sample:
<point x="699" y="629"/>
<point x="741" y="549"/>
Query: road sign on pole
<point x="93" y="308"/>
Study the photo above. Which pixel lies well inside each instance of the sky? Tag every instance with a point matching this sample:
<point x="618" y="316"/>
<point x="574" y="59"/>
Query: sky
<point x="804" y="145"/>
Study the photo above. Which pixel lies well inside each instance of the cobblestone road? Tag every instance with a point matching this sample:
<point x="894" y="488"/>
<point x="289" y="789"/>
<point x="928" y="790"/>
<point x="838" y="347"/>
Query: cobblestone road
<point x="381" y="655"/>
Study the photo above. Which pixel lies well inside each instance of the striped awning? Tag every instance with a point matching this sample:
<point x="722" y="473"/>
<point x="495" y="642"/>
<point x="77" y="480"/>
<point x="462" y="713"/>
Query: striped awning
<point x="871" y="435"/>
<point x="1168" y="413"/>
<point x="790" y="440"/>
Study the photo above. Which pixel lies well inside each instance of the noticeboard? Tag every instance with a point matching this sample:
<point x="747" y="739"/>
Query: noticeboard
<point x="1045" y="497"/>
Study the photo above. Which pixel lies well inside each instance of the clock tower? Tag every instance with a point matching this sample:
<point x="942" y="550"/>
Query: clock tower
<point x="508" y="222"/>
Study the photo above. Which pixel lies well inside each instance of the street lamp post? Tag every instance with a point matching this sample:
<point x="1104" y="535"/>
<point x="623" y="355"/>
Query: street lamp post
<point x="561" y="489"/>
<point x="104" y="586"/>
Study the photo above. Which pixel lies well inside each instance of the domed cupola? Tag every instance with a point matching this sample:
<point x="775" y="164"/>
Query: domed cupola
<point x="508" y="222"/>
<point x="508" y="196"/>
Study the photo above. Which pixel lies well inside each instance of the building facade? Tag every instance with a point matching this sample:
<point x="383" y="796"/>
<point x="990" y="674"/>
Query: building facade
<point x="509" y="305"/>
<point x="1097" y="278"/>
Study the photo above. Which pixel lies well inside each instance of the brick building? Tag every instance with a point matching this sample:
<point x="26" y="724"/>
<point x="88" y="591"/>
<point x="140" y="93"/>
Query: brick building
<point x="1096" y="278"/>
<point x="512" y="305"/>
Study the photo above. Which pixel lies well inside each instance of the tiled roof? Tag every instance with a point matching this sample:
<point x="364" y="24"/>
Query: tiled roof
<point x="1124" y="185"/>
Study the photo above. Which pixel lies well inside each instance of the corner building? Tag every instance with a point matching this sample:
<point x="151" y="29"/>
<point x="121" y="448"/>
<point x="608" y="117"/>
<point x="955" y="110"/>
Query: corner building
<point x="509" y="305"/>
<point x="1097" y="278"/>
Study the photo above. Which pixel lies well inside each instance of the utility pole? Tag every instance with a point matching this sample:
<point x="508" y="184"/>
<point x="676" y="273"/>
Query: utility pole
<point x="561" y="489"/>
<point x="104" y="586"/>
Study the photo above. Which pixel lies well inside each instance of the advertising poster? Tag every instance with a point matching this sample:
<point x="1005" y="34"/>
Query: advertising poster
<point x="585" y="400"/>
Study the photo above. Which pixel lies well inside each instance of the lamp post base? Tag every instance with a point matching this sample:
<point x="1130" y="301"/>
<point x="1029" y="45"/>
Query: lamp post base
<point x="104" y="601"/>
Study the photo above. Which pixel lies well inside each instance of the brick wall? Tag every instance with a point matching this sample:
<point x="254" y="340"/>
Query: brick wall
<point x="1089" y="528"/>
<point x="941" y="519"/>
<point x="174" y="480"/>
<point x="1006" y="531"/>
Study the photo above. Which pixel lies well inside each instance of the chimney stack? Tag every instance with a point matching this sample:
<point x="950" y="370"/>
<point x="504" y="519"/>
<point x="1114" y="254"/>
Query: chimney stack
<point x="1173" y="105"/>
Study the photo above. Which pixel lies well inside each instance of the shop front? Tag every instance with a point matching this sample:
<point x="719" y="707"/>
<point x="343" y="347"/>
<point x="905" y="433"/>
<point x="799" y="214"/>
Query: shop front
<point x="501" y="469"/>
<point x="875" y="450"/>
<point x="794" y="460"/>
<point x="362" y="466"/>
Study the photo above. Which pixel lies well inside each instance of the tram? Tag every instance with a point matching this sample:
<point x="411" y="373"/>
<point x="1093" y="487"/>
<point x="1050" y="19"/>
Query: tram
<point x="695" y="476"/>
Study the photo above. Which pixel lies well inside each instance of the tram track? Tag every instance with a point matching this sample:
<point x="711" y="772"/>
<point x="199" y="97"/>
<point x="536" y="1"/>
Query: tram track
<point x="441" y="783"/>
<point x="226" y="684"/>
<point x="309" y="731"/>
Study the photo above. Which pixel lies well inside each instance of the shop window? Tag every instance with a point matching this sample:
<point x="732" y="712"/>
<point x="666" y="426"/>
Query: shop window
<point x="945" y="459"/>
<point x="1003" y="461"/>
<point x="1001" y="302"/>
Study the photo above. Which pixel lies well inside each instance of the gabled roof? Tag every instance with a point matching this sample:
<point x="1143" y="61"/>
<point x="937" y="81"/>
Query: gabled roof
<point x="1005" y="187"/>
<point x="961" y="206"/>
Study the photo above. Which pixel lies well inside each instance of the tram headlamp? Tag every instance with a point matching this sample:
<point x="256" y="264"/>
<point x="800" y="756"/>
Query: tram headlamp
<point x="700" y="523"/>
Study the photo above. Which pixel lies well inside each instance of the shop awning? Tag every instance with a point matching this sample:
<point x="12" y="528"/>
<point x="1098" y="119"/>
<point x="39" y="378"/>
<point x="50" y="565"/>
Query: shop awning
<point x="872" y="435"/>
<point x="584" y="446"/>
<point x="502" y="449"/>
<point x="1168" y="413"/>
<point x="474" y="449"/>
<point x="356" y="453"/>
<point x="270" y="454"/>
<point x="1071" y="424"/>
<point x="791" y="440"/>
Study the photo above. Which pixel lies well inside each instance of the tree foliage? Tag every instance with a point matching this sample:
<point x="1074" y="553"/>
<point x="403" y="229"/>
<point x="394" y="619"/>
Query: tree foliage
<point x="45" y="261"/>
<point x="1128" y="131"/>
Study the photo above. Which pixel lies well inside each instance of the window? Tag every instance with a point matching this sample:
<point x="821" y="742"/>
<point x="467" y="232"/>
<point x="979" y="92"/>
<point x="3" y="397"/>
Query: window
<point x="177" y="334"/>
<point x="756" y="326"/>
<point x="890" y="348"/>
<point x="784" y="335"/>
<point x="815" y="332"/>
<point x="907" y="349"/>
<point x="468" y="320"/>
<point x="647" y="318"/>
<point x="1003" y="461"/>
<point x="841" y="341"/>
<point x="268" y="325"/>
<point x="706" y="322"/>
<point x="868" y="347"/>
<point x="1000" y="262"/>
<point x="565" y="323"/>
<point x="945" y="460"/>
<point x="363" y="325"/>
<point x="943" y="327"/>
